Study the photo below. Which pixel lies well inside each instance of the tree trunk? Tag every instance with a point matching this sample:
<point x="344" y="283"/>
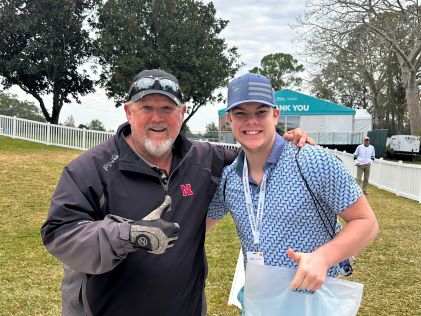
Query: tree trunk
<point x="57" y="105"/>
<point x="42" y="106"/>
<point x="378" y="117"/>
<point x="190" y="115"/>
<point x="409" y="77"/>
<point x="40" y="101"/>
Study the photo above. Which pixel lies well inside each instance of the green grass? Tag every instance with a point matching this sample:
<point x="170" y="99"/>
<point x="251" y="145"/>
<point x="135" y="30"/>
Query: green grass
<point x="414" y="162"/>
<point x="30" y="278"/>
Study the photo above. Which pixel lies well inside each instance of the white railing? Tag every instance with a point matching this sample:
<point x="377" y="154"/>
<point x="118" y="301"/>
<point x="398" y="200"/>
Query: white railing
<point x="50" y="134"/>
<point x="396" y="177"/>
<point x="226" y="145"/>
<point x="400" y="178"/>
<point x="337" y="138"/>
<point x="325" y="138"/>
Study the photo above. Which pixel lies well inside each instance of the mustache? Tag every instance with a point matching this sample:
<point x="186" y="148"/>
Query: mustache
<point x="157" y="126"/>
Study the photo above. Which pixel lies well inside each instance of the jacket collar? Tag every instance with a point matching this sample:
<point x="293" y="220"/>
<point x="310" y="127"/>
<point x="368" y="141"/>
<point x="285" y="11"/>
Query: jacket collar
<point x="130" y="161"/>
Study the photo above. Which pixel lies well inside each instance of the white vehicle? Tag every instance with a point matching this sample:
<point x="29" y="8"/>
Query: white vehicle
<point x="405" y="145"/>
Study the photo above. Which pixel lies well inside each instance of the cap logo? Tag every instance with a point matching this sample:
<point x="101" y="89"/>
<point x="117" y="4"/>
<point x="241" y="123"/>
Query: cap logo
<point x="236" y="91"/>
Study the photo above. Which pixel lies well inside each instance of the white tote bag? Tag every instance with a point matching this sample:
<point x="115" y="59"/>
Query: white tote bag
<point x="237" y="281"/>
<point x="266" y="293"/>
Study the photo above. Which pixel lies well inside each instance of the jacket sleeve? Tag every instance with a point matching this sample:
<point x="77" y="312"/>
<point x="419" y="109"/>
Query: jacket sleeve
<point x="229" y="154"/>
<point x="77" y="234"/>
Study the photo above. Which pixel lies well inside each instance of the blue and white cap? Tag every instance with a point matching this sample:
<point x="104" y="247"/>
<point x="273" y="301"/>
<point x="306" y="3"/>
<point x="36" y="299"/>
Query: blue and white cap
<point x="250" y="87"/>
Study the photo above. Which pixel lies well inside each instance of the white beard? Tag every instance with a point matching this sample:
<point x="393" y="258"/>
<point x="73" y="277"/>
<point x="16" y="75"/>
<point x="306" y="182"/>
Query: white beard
<point x="158" y="150"/>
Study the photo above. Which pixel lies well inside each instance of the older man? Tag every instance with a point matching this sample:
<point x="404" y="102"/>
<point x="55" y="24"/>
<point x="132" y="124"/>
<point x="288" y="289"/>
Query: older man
<point x="120" y="207"/>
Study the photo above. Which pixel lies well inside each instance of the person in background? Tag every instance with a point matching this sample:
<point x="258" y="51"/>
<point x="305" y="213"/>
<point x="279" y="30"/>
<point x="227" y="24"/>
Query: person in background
<point x="270" y="191"/>
<point x="128" y="216"/>
<point x="363" y="157"/>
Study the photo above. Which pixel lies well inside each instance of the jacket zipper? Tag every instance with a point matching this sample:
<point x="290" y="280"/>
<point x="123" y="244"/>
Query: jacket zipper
<point x="164" y="178"/>
<point x="182" y="160"/>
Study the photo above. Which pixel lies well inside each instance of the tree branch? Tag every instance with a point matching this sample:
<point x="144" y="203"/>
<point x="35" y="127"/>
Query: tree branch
<point x="38" y="98"/>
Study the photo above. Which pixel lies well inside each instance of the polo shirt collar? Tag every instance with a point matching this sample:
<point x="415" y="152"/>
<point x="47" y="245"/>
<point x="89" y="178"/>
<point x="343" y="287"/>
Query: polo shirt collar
<point x="275" y="154"/>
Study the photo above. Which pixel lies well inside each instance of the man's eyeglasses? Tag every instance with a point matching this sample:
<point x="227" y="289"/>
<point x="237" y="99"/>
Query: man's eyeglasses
<point x="150" y="83"/>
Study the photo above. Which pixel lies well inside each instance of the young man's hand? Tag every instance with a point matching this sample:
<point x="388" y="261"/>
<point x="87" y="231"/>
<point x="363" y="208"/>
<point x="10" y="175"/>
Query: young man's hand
<point x="298" y="137"/>
<point x="311" y="272"/>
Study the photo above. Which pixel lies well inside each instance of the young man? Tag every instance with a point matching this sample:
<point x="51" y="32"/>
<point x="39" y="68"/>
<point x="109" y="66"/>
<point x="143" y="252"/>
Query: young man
<point x="363" y="156"/>
<point x="119" y="209"/>
<point x="266" y="193"/>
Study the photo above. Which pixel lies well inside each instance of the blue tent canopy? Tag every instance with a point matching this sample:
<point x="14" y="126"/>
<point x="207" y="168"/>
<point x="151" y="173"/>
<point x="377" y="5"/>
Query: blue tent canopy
<point x="222" y="112"/>
<point x="295" y="103"/>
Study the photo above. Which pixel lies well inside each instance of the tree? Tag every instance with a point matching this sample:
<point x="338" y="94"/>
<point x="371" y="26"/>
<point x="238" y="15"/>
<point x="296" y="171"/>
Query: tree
<point x="363" y="73"/>
<point x="211" y="132"/>
<point x="395" y="23"/>
<point x="281" y="69"/>
<point x="341" y="86"/>
<point x="70" y="121"/>
<point x="11" y="106"/>
<point x="353" y="74"/>
<point x="96" y="125"/>
<point x="395" y="108"/>
<point x="182" y="37"/>
<point x="42" y="46"/>
<point x="211" y="127"/>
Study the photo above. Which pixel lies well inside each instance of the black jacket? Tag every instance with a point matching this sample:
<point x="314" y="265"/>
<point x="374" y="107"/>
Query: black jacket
<point x="99" y="194"/>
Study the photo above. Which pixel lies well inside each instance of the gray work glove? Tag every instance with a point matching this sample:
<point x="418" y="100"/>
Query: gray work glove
<point x="154" y="233"/>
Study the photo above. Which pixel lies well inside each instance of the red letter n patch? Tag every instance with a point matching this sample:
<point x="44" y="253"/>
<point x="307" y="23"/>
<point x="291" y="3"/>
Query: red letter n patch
<point x="186" y="189"/>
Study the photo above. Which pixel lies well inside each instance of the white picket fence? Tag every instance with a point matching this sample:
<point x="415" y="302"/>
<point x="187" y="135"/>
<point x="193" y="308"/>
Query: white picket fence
<point x="396" y="177"/>
<point x="50" y="134"/>
<point x="400" y="178"/>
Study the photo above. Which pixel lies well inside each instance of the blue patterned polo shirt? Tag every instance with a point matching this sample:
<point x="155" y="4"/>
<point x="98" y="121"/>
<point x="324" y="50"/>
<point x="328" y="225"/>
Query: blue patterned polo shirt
<point x="290" y="218"/>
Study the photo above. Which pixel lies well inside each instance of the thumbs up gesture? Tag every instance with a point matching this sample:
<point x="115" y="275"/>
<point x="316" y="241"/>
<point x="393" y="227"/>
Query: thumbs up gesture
<point x="311" y="272"/>
<point x="154" y="233"/>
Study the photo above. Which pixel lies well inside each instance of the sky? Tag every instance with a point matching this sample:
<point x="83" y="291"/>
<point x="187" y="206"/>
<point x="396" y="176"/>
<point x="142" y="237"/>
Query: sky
<point x="256" y="28"/>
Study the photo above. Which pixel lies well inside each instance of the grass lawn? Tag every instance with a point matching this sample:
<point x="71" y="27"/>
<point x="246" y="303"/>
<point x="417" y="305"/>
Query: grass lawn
<point x="30" y="278"/>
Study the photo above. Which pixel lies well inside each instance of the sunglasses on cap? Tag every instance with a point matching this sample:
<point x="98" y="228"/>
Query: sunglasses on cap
<point x="160" y="85"/>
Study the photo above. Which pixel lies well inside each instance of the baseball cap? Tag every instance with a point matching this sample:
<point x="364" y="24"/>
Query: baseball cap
<point x="250" y="87"/>
<point x="366" y="138"/>
<point x="155" y="81"/>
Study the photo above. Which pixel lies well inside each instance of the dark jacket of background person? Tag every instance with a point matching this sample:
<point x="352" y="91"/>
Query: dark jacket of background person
<point x="104" y="190"/>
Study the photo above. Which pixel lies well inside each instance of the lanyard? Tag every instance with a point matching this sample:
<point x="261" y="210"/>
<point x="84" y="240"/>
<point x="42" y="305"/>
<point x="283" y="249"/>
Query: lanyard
<point x="255" y="221"/>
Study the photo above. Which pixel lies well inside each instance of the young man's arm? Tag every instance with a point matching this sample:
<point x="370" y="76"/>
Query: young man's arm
<point x="360" y="230"/>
